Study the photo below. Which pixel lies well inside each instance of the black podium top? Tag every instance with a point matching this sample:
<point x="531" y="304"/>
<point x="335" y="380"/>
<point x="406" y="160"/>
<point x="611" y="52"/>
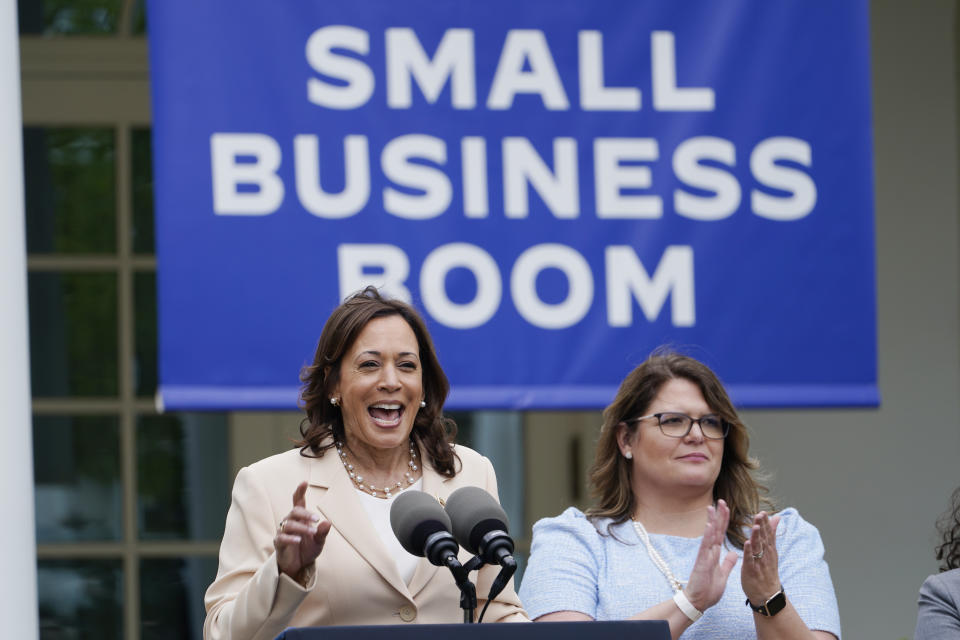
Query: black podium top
<point x="632" y="629"/>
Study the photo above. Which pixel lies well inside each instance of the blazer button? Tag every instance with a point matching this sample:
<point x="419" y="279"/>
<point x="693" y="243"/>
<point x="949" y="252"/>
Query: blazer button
<point x="408" y="613"/>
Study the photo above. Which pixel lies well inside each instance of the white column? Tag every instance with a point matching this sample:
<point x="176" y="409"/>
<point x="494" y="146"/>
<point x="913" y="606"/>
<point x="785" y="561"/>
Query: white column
<point x="18" y="580"/>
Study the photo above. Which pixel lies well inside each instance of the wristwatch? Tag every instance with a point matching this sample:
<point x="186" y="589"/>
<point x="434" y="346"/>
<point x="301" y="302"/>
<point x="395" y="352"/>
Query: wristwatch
<point x="772" y="606"/>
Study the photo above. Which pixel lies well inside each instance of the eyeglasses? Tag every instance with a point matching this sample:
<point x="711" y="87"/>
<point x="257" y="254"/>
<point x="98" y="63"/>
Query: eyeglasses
<point x="678" y="425"/>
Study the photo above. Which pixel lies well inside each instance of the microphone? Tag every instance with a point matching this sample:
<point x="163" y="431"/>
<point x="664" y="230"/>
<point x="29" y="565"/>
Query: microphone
<point x="423" y="528"/>
<point x="480" y="525"/>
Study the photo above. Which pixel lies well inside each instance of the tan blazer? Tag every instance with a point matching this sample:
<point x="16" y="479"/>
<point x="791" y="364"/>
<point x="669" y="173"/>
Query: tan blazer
<point x="356" y="581"/>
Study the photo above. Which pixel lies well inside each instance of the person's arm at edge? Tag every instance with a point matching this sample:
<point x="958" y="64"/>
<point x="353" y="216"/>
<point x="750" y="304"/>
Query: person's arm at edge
<point x="938" y="615"/>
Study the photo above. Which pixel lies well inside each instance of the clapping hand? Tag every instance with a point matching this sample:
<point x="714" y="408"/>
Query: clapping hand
<point x="300" y="537"/>
<point x="760" y="572"/>
<point x="709" y="576"/>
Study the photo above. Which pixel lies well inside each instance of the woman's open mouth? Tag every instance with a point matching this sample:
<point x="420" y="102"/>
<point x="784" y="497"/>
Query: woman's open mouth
<point x="386" y="414"/>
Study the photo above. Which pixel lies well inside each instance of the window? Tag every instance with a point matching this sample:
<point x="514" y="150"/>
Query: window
<point x="130" y="504"/>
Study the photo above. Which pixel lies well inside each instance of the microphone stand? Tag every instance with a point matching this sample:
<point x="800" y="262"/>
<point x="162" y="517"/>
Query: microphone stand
<point x="441" y="549"/>
<point x="507" y="569"/>
<point x="468" y="591"/>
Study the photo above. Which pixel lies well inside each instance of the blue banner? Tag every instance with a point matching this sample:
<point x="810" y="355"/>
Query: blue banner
<point x="560" y="186"/>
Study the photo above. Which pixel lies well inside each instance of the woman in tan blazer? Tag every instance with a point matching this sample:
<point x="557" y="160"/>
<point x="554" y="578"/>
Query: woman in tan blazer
<point x="374" y="427"/>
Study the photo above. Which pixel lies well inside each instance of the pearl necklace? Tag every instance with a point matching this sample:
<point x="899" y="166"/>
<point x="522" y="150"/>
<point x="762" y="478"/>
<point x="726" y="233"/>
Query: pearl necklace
<point x="386" y="491"/>
<point x="657" y="558"/>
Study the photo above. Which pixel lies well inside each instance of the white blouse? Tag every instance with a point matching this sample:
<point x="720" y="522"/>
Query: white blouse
<point x="378" y="509"/>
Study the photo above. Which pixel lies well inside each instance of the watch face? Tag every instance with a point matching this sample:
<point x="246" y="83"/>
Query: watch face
<point x="771" y="607"/>
<point x="776" y="604"/>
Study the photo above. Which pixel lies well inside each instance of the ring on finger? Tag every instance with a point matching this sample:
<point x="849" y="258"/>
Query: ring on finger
<point x="757" y="556"/>
<point x="280" y="526"/>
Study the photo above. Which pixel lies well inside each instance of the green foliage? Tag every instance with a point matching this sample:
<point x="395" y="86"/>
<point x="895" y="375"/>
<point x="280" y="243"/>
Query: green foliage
<point x="145" y="327"/>
<point x="160" y="477"/>
<point x="81" y="16"/>
<point x="82" y="168"/>
<point x="73" y="334"/>
<point x="142" y="165"/>
<point x="90" y="302"/>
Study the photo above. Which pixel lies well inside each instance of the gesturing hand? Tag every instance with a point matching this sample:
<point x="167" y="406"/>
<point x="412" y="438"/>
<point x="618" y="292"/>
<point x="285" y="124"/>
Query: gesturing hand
<point x="760" y="574"/>
<point x="300" y="538"/>
<point x="709" y="576"/>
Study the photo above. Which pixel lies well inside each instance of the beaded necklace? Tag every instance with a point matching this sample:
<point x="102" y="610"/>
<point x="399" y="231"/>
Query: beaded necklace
<point x="382" y="492"/>
<point x="657" y="559"/>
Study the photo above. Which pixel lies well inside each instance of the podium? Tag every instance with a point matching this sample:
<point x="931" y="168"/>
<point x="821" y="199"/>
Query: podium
<point x="619" y="630"/>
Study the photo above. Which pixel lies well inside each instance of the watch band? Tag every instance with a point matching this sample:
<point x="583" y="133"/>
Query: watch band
<point x="772" y="606"/>
<point x="680" y="598"/>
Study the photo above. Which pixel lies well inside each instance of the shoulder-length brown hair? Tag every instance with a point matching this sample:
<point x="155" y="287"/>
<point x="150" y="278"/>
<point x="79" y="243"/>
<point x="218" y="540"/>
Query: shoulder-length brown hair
<point x="324" y="422"/>
<point x="610" y="475"/>
<point x="948" y="551"/>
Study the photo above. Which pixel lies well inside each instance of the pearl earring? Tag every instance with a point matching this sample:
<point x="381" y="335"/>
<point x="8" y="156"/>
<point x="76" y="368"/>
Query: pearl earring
<point x="335" y="401"/>
<point x="423" y="403"/>
<point x="628" y="455"/>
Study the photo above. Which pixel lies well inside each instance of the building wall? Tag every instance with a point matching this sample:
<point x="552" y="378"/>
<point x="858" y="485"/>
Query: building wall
<point x="874" y="481"/>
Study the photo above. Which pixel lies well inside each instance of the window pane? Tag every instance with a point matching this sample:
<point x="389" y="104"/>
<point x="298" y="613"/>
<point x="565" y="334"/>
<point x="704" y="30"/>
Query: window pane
<point x="73" y="334"/>
<point x="142" y="171"/>
<point x="76" y="467"/>
<point x="499" y="436"/>
<point x="464" y="420"/>
<point x="182" y="476"/>
<point x="171" y="597"/>
<point x="145" y="310"/>
<point x="140" y="18"/>
<point x="80" y="599"/>
<point x="52" y="17"/>
<point x="70" y="190"/>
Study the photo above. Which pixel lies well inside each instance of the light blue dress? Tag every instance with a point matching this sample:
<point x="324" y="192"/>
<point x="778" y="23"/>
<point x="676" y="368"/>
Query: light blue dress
<point x="575" y="567"/>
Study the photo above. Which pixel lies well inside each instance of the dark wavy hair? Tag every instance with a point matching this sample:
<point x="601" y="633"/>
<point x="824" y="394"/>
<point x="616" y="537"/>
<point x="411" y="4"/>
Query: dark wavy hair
<point x="611" y="473"/>
<point x="324" y="422"/>
<point x="948" y="551"/>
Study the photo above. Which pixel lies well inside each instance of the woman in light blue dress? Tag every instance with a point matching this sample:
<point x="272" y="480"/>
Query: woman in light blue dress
<point x="677" y="531"/>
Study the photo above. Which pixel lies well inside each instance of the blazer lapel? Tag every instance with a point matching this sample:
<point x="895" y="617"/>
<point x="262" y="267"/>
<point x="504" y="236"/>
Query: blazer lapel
<point x="434" y="485"/>
<point x="341" y="506"/>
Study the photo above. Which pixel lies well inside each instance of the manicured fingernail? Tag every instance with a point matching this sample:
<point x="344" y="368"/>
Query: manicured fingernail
<point x="296" y="538"/>
<point x="315" y="517"/>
